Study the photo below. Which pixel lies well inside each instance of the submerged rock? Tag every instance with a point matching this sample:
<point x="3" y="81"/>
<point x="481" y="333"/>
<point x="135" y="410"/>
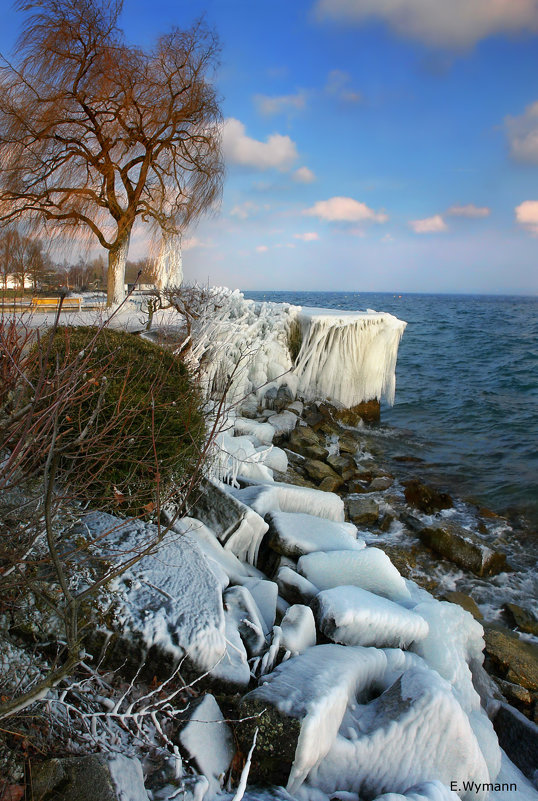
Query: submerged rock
<point x="425" y="498"/>
<point x="464" y="548"/>
<point x="369" y="411"/>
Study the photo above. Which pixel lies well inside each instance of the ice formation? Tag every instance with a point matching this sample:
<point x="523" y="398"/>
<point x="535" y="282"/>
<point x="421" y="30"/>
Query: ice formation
<point x="208" y="739"/>
<point x="290" y="498"/>
<point x="346" y="357"/>
<point x="301" y="533"/>
<point x="369" y="568"/>
<point x="353" y="616"/>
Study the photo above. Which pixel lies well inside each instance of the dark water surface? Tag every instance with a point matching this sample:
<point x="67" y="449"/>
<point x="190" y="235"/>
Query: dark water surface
<point x="466" y="389"/>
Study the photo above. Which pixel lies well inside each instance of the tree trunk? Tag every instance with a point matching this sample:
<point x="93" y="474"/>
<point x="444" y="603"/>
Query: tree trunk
<point x="169" y="266"/>
<point x="117" y="257"/>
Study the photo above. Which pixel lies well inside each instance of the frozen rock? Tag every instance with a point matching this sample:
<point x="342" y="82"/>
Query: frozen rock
<point x="296" y="534"/>
<point x="275" y="458"/>
<point x="232" y="669"/>
<point x="86" y="778"/>
<point x="237" y="526"/>
<point x="239" y="604"/>
<point x="264" y="432"/>
<point x="283" y="423"/>
<point x="265" y="594"/>
<point x="353" y="616"/>
<point x="369" y="568"/>
<point x="295" y="588"/>
<point x="297" y="407"/>
<point x="216" y="554"/>
<point x="240" y="456"/>
<point x="298" y="629"/>
<point x="289" y="498"/>
<point x="208" y="740"/>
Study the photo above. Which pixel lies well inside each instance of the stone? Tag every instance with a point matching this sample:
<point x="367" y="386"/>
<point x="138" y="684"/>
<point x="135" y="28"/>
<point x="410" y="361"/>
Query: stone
<point x="362" y="511"/>
<point x="294" y="477"/>
<point x="425" y="498"/>
<point x="513" y="659"/>
<point x="305" y="441"/>
<point x="518" y="736"/>
<point x="463" y="548"/>
<point x="348" y="444"/>
<point x="380" y="484"/>
<point x="465" y="601"/>
<point x="276" y="742"/>
<point x="293" y="587"/>
<point x="369" y="411"/>
<point x="318" y="470"/>
<point x="249" y="408"/>
<point x="344" y="465"/>
<point x="284" y="397"/>
<point x="297" y="407"/>
<point x="283" y="422"/>
<point x="524" y="619"/>
<point x="269" y="398"/>
<point x="97" y="777"/>
<point x="515" y="694"/>
<point x="330" y="484"/>
<point x="314" y="418"/>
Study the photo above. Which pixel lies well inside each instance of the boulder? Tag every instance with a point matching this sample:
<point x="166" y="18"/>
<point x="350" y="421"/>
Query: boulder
<point x="380" y="484"/>
<point x="518" y="736"/>
<point x="98" y="777"/>
<point x="369" y="411"/>
<point x="344" y="465"/>
<point x="269" y="397"/>
<point x="294" y="588"/>
<point x="297" y="407"/>
<point x="276" y="741"/>
<point x="425" y="498"/>
<point x="464" y="548"/>
<point x="305" y="441"/>
<point x="513" y="659"/>
<point x="208" y="740"/>
<point x="318" y="470"/>
<point x="330" y="484"/>
<point x="465" y="601"/>
<point x="295" y="534"/>
<point x="524" y="619"/>
<point x="249" y="407"/>
<point x="283" y="423"/>
<point x="348" y="444"/>
<point x="362" y="511"/>
<point x="284" y="397"/>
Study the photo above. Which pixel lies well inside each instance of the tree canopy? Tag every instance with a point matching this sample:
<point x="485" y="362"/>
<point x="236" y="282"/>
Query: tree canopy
<point x="95" y="133"/>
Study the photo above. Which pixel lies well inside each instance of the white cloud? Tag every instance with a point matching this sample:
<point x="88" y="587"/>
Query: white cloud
<point x="304" y="175"/>
<point x="268" y="105"/>
<point x="277" y="152"/>
<point x="338" y="85"/>
<point x="527" y="216"/>
<point x="469" y="210"/>
<point x="445" y="23"/>
<point x="345" y="209"/>
<point x="523" y="134"/>
<point x="309" y="236"/>
<point x="429" y="225"/>
<point x="262" y="249"/>
<point x="244" y="210"/>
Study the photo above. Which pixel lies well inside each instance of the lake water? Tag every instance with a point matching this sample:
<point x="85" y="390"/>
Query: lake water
<point x="466" y="390"/>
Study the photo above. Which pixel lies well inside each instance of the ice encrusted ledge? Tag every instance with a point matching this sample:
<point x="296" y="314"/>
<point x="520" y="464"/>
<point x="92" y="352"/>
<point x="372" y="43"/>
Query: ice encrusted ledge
<point x="345" y="357"/>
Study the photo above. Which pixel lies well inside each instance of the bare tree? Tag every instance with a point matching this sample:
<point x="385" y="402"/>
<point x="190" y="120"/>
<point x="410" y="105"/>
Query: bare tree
<point x="95" y="133"/>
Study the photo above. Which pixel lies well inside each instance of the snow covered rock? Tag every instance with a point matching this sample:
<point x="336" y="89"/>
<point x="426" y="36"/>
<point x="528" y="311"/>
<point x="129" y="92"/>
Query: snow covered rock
<point x="265" y="595"/>
<point x="171" y="598"/>
<point x="283" y="423"/>
<point x="237" y="526"/>
<point x="264" y="432"/>
<point x="107" y="777"/>
<point x="294" y="587"/>
<point x="290" y="498"/>
<point x="354" y="616"/>
<point x="298" y="629"/>
<point x="369" y="568"/>
<point x="208" y="740"/>
<point x="296" y="534"/>
<point x="241" y="606"/>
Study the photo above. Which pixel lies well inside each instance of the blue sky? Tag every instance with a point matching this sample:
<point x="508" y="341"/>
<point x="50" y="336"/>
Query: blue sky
<point x="383" y="145"/>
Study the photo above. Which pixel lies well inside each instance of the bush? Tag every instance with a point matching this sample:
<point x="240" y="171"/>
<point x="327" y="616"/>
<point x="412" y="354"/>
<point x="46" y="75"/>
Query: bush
<point x="131" y="429"/>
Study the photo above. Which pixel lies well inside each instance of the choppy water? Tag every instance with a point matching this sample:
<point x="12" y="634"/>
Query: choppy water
<point x="466" y="390"/>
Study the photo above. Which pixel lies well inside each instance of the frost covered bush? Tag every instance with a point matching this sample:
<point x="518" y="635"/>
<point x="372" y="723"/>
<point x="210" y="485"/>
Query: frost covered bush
<point x="132" y="427"/>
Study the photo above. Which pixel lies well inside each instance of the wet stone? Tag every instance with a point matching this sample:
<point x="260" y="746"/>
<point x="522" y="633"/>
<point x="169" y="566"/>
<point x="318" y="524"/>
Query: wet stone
<point x="318" y="470"/>
<point x="512" y="658"/>
<point x="362" y="511"/>
<point x="465" y="601"/>
<point x="425" y="498"/>
<point x="523" y="619"/>
<point x="343" y="465"/>
<point x="381" y="484"/>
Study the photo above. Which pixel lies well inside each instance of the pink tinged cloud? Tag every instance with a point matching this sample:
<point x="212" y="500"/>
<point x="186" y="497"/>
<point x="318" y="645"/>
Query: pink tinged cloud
<point x="469" y="210"/>
<point x="304" y="176"/>
<point x="429" y="225"/>
<point x="277" y="152"/>
<point x="309" y="236"/>
<point x="446" y="23"/>
<point x="527" y="216"/>
<point x="345" y="209"/>
<point x="522" y="132"/>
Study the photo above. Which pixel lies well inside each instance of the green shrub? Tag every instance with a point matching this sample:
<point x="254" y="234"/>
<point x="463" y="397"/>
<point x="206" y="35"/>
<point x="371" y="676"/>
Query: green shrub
<point x="131" y="427"/>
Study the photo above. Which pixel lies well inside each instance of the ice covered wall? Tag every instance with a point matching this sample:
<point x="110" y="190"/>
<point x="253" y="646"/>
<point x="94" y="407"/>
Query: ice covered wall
<point x="345" y="357"/>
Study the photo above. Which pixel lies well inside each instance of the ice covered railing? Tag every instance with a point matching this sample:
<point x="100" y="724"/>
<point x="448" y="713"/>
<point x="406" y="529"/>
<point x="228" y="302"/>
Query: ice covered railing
<point x="242" y="346"/>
